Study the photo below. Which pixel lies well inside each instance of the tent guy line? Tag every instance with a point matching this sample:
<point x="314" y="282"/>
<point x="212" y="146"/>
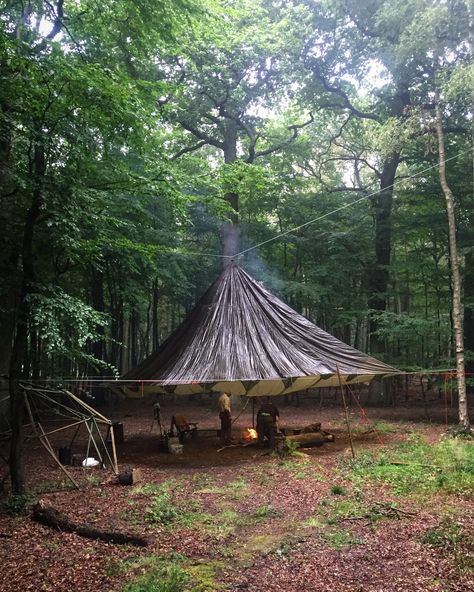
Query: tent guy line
<point x="347" y="205"/>
<point x="343" y="207"/>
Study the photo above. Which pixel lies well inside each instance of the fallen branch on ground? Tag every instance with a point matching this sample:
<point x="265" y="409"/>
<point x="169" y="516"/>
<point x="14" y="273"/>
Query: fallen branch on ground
<point x="51" y="517"/>
<point x="380" y="510"/>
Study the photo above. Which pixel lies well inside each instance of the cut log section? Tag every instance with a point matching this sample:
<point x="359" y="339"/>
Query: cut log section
<point x="51" y="517"/>
<point x="307" y="440"/>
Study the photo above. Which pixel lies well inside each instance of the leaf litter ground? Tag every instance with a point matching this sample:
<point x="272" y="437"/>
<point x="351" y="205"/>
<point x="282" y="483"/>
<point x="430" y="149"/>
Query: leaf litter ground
<point x="241" y="519"/>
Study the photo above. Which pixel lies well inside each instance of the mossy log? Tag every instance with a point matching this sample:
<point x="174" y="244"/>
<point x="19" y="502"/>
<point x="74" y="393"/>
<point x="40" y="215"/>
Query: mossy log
<point x="51" y="517"/>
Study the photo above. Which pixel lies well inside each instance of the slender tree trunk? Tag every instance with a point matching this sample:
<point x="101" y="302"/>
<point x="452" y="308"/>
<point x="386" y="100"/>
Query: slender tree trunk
<point x="20" y="343"/>
<point x="469" y="261"/>
<point x="98" y="347"/>
<point x="455" y="275"/>
<point x="155" y="319"/>
<point x="230" y="230"/>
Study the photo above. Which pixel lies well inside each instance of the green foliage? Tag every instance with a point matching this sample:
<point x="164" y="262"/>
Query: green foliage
<point x="338" y="490"/>
<point x="18" y="504"/>
<point x="418" y="467"/>
<point x="450" y="538"/>
<point x="340" y="538"/>
<point x="66" y="324"/>
<point x="266" y="512"/>
<point x="162" y="511"/>
<point x="161" y="575"/>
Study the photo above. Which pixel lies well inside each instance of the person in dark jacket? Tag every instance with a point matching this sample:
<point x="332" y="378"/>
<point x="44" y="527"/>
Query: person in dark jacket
<point x="268" y="423"/>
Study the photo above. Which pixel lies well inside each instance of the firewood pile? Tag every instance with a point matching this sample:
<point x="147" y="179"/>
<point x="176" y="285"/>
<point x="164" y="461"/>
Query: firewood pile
<point x="309" y="436"/>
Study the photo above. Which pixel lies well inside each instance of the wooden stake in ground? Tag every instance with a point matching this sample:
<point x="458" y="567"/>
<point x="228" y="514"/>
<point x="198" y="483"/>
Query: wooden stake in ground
<point x="349" y="431"/>
<point x="455" y="275"/>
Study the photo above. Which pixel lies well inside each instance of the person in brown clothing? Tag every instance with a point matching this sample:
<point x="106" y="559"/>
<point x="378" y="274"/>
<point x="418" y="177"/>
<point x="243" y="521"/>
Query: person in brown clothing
<point x="225" y="415"/>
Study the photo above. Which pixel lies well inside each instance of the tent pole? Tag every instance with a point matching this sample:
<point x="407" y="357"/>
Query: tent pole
<point x="89" y="429"/>
<point x="253" y="412"/>
<point x="114" y="450"/>
<point x="45" y="442"/>
<point x="349" y="431"/>
<point x="105" y="447"/>
<point x="43" y="438"/>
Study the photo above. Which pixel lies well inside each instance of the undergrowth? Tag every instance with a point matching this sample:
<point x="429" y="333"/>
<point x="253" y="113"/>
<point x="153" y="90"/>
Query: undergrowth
<point x="158" y="575"/>
<point x="448" y="537"/>
<point x="417" y="467"/>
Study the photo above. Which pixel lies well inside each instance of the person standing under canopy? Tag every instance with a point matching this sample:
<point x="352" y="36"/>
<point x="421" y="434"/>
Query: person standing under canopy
<point x="268" y="423"/>
<point x="225" y="415"/>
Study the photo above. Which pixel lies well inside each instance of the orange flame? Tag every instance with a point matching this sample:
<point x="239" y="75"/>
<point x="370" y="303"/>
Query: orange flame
<point x="249" y="434"/>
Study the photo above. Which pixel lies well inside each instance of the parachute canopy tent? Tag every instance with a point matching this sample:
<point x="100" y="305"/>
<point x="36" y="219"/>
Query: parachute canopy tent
<point x="242" y="339"/>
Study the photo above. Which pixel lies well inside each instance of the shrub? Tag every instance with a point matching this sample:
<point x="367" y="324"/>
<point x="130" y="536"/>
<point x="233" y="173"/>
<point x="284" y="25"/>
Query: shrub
<point x="17" y="504"/>
<point x="160" y="578"/>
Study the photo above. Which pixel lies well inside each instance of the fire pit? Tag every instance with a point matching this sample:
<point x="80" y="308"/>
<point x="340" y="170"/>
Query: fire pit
<point x="249" y="435"/>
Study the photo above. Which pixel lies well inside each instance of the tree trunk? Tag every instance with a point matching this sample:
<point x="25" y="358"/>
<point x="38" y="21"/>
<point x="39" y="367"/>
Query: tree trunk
<point x="10" y="244"/>
<point x="20" y="343"/>
<point x="455" y="275"/>
<point x="379" y="390"/>
<point x="51" y="517"/>
<point x="379" y="274"/>
<point x="230" y="230"/>
<point x="155" y="319"/>
<point x="469" y="311"/>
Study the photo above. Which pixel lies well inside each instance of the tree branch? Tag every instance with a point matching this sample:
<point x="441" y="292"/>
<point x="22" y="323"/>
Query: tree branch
<point x="201" y="135"/>
<point x="188" y="149"/>
<point x="335" y="90"/>
<point x="294" y="129"/>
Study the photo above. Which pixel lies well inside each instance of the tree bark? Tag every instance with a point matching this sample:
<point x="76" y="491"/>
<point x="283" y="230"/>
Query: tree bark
<point x="53" y="518"/>
<point x="379" y="275"/>
<point x="155" y="327"/>
<point x="230" y="230"/>
<point x="10" y="244"/>
<point x="20" y="343"/>
<point x="455" y="274"/>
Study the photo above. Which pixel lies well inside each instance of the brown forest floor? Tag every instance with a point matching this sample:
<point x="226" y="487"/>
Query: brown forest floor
<point x="250" y="521"/>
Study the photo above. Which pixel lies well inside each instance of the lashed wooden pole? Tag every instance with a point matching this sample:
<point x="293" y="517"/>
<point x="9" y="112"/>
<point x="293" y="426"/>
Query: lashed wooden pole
<point x="349" y="431"/>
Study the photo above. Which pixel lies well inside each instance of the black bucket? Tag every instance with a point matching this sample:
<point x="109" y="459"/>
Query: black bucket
<point x="64" y="455"/>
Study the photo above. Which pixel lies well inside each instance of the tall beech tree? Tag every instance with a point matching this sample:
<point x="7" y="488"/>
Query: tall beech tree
<point x="223" y="81"/>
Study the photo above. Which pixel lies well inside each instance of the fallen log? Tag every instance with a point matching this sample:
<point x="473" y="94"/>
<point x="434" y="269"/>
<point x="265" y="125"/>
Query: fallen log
<point x="311" y="439"/>
<point x="51" y="517"/>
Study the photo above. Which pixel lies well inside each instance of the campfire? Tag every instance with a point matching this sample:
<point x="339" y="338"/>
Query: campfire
<point x="249" y="435"/>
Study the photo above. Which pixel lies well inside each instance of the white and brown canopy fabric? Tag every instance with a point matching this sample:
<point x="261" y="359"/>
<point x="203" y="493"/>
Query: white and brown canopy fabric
<point x="242" y="339"/>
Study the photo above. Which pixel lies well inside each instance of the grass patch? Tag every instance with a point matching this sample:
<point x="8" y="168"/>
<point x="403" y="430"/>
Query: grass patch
<point x="334" y="510"/>
<point x="18" y="504"/>
<point x="266" y="512"/>
<point x="204" y="576"/>
<point x="417" y="467"/>
<point x="313" y="522"/>
<point x="157" y="574"/>
<point x="301" y="468"/>
<point x="449" y="538"/>
<point x="340" y="538"/>
<point x="54" y="486"/>
<point x="238" y="488"/>
<point x="168" y="507"/>
<point x="221" y="525"/>
<point x="382" y="427"/>
<point x="146" y="489"/>
<point x="338" y="490"/>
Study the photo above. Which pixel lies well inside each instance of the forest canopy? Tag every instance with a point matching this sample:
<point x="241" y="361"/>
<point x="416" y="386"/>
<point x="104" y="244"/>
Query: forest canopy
<point x="134" y="136"/>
